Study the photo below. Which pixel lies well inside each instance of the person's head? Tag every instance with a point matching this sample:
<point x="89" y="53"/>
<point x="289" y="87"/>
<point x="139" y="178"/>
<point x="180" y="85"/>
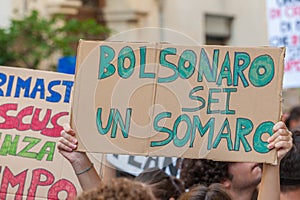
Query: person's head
<point x="162" y="185"/>
<point x="234" y="176"/>
<point x="289" y="168"/>
<point x="201" y="192"/>
<point x="244" y="175"/>
<point x="205" y="172"/>
<point x="119" y="189"/>
<point x="293" y="120"/>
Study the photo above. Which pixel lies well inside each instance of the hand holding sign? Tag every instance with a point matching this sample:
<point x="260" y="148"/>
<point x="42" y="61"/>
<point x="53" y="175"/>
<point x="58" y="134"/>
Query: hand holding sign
<point x="281" y="140"/>
<point x="84" y="169"/>
<point x="68" y="143"/>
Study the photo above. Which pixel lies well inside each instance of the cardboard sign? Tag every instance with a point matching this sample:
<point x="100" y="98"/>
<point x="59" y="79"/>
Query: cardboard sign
<point x="152" y="99"/>
<point x="284" y="30"/>
<point x="33" y="107"/>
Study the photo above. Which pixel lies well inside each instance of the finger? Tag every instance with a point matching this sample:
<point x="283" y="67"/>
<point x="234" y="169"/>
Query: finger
<point x="68" y="129"/>
<point x="285" y="148"/>
<point x="271" y="145"/>
<point x="283" y="145"/>
<point x="62" y="147"/>
<point x="279" y="135"/>
<point x="279" y="125"/>
<point x="273" y="137"/>
<point x="69" y="137"/>
<point x="279" y="132"/>
<point x="284" y="132"/>
<point x="67" y="143"/>
<point x="280" y="138"/>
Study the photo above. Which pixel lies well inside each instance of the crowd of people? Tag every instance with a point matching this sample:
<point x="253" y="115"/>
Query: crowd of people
<point x="200" y="179"/>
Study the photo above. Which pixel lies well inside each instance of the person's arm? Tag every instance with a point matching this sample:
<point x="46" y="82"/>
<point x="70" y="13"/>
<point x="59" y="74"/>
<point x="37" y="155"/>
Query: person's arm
<point x="83" y="167"/>
<point x="282" y="141"/>
<point x="270" y="185"/>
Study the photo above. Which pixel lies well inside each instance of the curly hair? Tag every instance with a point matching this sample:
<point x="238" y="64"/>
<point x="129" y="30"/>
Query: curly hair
<point x="204" y="172"/>
<point x="213" y="192"/>
<point x="162" y="185"/>
<point x="119" y="189"/>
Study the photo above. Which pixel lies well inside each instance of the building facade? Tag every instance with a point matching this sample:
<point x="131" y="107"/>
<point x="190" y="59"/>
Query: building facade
<point x="224" y="22"/>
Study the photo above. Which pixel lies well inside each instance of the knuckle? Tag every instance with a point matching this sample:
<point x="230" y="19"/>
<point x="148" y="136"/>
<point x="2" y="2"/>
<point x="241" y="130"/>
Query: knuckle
<point x="67" y="137"/>
<point x="281" y="132"/>
<point x="65" y="134"/>
<point x="281" y="124"/>
<point x="278" y="125"/>
<point x="279" y="144"/>
<point x="60" y="141"/>
<point x="68" y="143"/>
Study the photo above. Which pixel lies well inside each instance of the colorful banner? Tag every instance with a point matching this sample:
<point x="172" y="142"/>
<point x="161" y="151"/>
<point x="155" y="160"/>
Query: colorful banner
<point x="33" y="107"/>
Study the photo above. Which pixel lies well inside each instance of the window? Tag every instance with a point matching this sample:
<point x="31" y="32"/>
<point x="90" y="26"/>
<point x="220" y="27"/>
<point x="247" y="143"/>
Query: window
<point x="217" y="29"/>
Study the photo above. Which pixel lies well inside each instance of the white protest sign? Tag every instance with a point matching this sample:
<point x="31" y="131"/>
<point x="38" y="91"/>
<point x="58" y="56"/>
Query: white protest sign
<point x="284" y="30"/>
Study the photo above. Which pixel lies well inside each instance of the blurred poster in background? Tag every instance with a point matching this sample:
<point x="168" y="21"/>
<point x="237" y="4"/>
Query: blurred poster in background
<point x="284" y="30"/>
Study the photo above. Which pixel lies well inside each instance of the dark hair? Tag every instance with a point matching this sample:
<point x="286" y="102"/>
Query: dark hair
<point x="162" y="185"/>
<point x="289" y="167"/>
<point x="201" y="192"/>
<point x="204" y="172"/>
<point x="293" y="115"/>
<point x="296" y="137"/>
<point x="119" y="189"/>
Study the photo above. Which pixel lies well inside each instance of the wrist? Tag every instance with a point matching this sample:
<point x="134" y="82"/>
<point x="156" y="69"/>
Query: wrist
<point x="86" y="170"/>
<point x="81" y="163"/>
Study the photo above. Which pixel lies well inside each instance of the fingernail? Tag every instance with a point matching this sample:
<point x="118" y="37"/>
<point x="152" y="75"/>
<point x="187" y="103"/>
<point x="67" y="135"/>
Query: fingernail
<point x="270" y="140"/>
